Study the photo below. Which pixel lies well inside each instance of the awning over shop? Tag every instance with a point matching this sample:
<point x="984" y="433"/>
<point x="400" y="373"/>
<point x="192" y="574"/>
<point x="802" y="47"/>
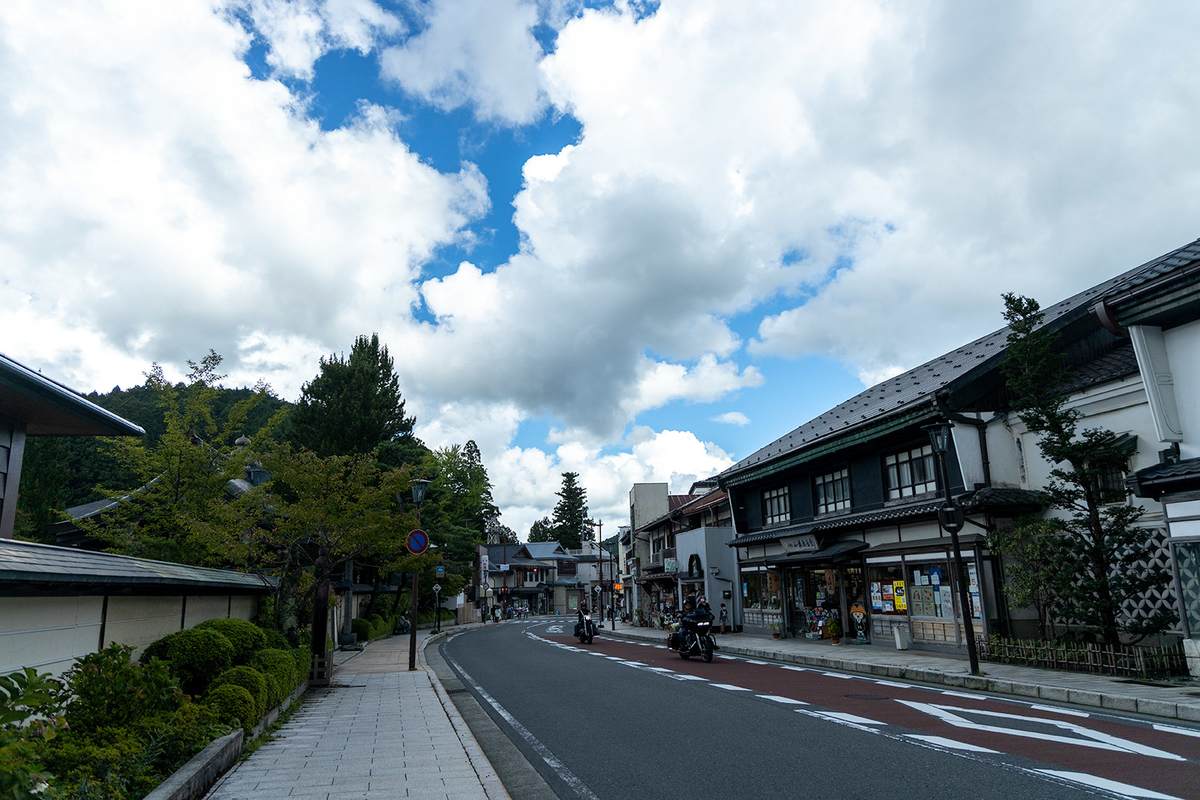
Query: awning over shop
<point x="833" y="553"/>
<point x="967" y="540"/>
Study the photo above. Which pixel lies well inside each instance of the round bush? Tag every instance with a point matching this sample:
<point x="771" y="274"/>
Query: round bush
<point x="246" y="637"/>
<point x="232" y="705"/>
<point x="159" y="648"/>
<point x="249" y="679"/>
<point x="277" y="664"/>
<point x="275" y="639"/>
<point x="361" y="628"/>
<point x="198" y="655"/>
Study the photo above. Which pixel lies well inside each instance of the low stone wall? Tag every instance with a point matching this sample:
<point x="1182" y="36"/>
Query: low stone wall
<point x="197" y="776"/>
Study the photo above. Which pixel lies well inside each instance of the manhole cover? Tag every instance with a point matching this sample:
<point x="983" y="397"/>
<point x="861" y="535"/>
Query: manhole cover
<point x="866" y="696"/>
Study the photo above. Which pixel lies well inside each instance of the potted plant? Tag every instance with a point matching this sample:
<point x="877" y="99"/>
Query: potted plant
<point x="835" y="630"/>
<point x="775" y="630"/>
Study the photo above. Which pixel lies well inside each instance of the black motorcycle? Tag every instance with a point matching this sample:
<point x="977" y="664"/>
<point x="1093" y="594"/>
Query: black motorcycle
<point x="585" y="629"/>
<point x="694" y="637"/>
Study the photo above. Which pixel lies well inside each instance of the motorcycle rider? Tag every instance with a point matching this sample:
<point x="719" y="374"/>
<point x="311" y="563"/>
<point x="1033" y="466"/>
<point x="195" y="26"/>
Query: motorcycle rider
<point x="583" y="609"/>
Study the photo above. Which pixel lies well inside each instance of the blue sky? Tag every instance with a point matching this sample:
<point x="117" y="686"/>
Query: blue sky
<point x="584" y="230"/>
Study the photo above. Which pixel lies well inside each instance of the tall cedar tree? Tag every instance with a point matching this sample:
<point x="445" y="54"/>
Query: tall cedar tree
<point x="1099" y="547"/>
<point x="542" y="530"/>
<point x="353" y="405"/>
<point x="571" y="513"/>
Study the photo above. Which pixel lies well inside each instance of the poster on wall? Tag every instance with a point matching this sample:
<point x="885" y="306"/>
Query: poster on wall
<point x="876" y="596"/>
<point x="887" y="591"/>
<point x="974" y="584"/>
<point x="887" y="607"/>
<point x="900" y="596"/>
<point x="947" y="605"/>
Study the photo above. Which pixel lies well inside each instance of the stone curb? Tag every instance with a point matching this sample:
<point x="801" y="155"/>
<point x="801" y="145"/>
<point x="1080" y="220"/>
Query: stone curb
<point x="1156" y="708"/>
<point x="488" y="778"/>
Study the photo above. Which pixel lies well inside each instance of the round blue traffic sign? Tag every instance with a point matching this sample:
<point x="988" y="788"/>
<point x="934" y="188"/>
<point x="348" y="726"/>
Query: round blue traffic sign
<point x="418" y="542"/>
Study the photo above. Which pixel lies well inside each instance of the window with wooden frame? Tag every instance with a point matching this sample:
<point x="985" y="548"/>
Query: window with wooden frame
<point x="777" y="506"/>
<point x="833" y="491"/>
<point x="910" y="473"/>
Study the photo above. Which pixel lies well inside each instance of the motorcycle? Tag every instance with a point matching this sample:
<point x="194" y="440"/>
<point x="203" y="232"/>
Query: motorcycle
<point x="585" y="630"/>
<point x="693" y="637"/>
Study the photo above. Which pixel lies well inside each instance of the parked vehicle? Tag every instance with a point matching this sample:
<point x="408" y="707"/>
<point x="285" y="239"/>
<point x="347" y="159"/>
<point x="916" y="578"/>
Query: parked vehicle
<point x="693" y="636"/>
<point x="585" y="629"/>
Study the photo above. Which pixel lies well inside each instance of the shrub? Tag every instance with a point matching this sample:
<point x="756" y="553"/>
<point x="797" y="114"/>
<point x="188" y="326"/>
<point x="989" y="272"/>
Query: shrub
<point x="179" y="736"/>
<point x="107" y="689"/>
<point x="378" y="626"/>
<point x="361" y="628"/>
<point x="232" y="705"/>
<point x="198" y="655"/>
<point x="280" y="665"/>
<point x="249" y="679"/>
<point x="275" y="639"/>
<point x="111" y="763"/>
<point x="246" y="637"/>
<point x="304" y="659"/>
<point x="275" y="692"/>
<point x="159" y="648"/>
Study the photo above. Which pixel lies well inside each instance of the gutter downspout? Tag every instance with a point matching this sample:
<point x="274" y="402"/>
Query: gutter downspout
<point x="980" y="428"/>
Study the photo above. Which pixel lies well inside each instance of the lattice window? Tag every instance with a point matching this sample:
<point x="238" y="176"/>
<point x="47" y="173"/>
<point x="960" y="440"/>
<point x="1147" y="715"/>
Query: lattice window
<point x="777" y="506"/>
<point x="833" y="491"/>
<point x="910" y="473"/>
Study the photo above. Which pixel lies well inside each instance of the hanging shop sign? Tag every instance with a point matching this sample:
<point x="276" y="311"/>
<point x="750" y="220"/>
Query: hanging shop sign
<point x="804" y="543"/>
<point x="670" y="565"/>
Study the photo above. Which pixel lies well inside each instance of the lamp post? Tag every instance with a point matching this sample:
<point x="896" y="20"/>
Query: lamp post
<point x="952" y="519"/>
<point x="418" y="496"/>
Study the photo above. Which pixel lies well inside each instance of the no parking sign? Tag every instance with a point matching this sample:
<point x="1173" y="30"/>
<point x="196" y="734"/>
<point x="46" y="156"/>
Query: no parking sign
<point x="418" y="542"/>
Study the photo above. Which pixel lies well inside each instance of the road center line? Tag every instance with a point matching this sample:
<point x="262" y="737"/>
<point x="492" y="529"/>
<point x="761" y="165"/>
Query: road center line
<point x="785" y="700"/>
<point x="729" y="687"/>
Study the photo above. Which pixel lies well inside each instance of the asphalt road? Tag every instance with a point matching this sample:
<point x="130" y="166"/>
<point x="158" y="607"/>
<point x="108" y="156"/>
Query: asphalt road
<point x="617" y="720"/>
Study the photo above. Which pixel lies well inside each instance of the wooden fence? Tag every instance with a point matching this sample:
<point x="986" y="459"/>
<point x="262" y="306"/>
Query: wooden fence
<point x="1146" y="663"/>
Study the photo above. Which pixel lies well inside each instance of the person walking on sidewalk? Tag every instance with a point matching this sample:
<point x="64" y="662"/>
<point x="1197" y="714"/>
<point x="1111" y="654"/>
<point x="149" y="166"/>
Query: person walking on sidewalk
<point x="724" y="618"/>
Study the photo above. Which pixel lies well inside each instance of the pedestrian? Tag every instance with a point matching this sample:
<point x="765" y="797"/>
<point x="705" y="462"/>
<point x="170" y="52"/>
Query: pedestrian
<point x="724" y="618"/>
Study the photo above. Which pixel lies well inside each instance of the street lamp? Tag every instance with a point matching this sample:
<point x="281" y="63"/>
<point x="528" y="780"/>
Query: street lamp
<point x="418" y="497"/>
<point x="952" y="519"/>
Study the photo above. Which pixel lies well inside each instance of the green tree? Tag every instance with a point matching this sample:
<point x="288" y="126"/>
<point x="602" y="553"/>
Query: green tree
<point x="178" y="500"/>
<point x="353" y="405"/>
<point x="1099" y="547"/>
<point x="542" y="530"/>
<point x="571" y="513"/>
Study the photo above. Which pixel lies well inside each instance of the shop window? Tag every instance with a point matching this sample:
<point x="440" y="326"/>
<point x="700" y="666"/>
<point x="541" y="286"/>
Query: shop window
<point x="777" y="506"/>
<point x="833" y="492"/>
<point x="910" y="473"/>
<point x="931" y="590"/>
<point x="751" y="590"/>
<point x="883" y="581"/>
<point x="771" y="591"/>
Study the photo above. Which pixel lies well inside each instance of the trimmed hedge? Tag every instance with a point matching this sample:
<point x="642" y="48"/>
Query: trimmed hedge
<point x="246" y="637"/>
<point x="275" y="640"/>
<point x="196" y="656"/>
<point x="361" y="628"/>
<point x="233" y="705"/>
<point x="249" y="679"/>
<point x="280" y="666"/>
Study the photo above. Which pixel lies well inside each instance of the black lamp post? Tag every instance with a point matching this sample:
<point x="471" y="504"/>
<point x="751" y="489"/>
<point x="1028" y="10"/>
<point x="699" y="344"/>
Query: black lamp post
<point x="952" y="519"/>
<point x="418" y="496"/>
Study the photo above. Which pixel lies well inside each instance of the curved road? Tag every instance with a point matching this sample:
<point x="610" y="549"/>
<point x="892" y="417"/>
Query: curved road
<point x="619" y="719"/>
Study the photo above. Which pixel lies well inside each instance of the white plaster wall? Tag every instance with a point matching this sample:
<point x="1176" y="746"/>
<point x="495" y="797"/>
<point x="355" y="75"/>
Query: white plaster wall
<point x="1183" y="353"/>
<point x="47" y="633"/>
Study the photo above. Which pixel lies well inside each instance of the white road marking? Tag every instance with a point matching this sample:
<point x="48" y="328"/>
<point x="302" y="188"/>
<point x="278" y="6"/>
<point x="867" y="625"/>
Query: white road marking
<point x="1091" y="738"/>
<point x="842" y="715"/>
<point x="729" y="687"/>
<point x="849" y="720"/>
<point x="1104" y="783"/>
<point x="614" y="658"/>
<point x="559" y="768"/>
<point x="950" y="743"/>
<point x="751" y="661"/>
<point x="1066" y="711"/>
<point x="838" y="675"/>
<point x="554" y="629"/>
<point x="785" y="700"/>
<point x="1181" y="731"/>
<point x="683" y="676"/>
<point x="896" y="685"/>
<point x="795" y="669"/>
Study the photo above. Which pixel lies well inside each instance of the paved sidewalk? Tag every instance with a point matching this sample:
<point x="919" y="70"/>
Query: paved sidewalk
<point x="1178" y="701"/>
<point x="379" y="732"/>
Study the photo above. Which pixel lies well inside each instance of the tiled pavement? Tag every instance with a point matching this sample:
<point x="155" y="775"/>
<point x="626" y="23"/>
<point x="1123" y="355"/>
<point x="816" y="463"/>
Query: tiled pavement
<point x="1179" y="700"/>
<point x="379" y="732"/>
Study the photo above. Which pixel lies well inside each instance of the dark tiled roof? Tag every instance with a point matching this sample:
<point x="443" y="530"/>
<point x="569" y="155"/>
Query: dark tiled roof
<point x="27" y="562"/>
<point x="1163" y="479"/>
<point x="1112" y="366"/>
<point x="918" y="386"/>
